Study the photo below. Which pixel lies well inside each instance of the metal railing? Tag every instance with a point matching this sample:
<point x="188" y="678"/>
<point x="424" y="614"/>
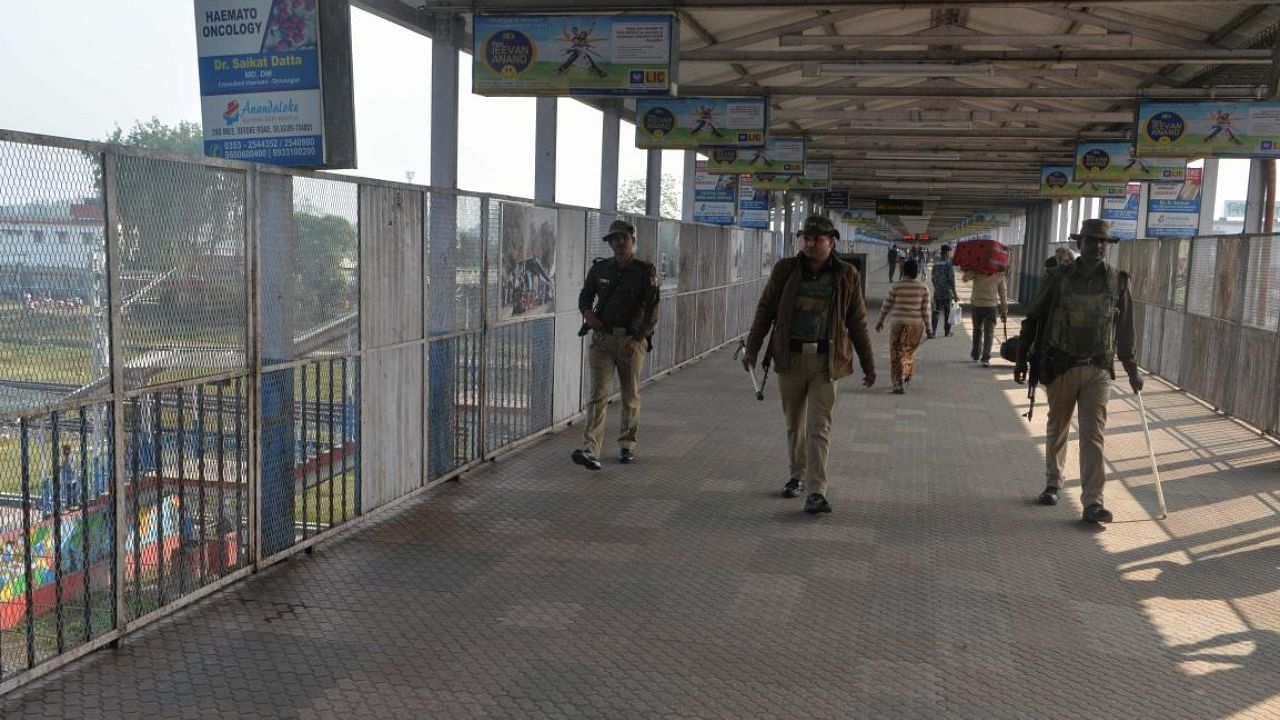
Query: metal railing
<point x="207" y="365"/>
<point x="1208" y="319"/>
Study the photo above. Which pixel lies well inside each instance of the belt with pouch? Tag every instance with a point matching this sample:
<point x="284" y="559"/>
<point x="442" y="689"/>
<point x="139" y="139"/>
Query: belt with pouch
<point x="615" y="331"/>
<point x="818" y="347"/>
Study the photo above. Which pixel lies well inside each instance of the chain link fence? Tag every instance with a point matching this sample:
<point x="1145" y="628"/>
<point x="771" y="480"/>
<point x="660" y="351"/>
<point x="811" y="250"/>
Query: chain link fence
<point x="206" y="366"/>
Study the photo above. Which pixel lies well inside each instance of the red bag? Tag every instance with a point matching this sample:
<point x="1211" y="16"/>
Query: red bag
<point x="983" y="256"/>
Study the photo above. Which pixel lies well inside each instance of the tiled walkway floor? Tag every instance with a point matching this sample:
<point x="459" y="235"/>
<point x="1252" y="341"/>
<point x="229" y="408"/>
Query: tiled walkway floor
<point x="684" y="587"/>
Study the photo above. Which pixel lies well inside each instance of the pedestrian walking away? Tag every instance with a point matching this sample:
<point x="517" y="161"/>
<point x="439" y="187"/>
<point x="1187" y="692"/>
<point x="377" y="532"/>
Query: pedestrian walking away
<point x="619" y="306"/>
<point x="907" y="309"/>
<point x="893" y="261"/>
<point x="1080" y="321"/>
<point x="814" y="308"/>
<point x="944" y="291"/>
<point x="989" y="301"/>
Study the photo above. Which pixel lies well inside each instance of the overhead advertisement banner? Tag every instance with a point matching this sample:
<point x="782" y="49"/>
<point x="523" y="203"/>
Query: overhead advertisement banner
<point x="1122" y="213"/>
<point x="817" y="176"/>
<point x="1173" y="209"/>
<point x="779" y="156"/>
<point x="1057" y="181"/>
<point x="572" y="54"/>
<point x="690" y="123"/>
<point x="1209" y="129"/>
<point x="715" y="197"/>
<point x="260" y="91"/>
<point x="866" y="225"/>
<point x="1117" y="162"/>
<point x="753" y="204"/>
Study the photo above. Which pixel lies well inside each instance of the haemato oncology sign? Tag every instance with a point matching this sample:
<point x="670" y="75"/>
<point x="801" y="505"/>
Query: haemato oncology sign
<point x="260" y="80"/>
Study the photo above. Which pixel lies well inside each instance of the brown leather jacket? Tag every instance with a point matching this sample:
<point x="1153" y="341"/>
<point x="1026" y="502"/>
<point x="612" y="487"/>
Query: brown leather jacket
<point x="847" y="330"/>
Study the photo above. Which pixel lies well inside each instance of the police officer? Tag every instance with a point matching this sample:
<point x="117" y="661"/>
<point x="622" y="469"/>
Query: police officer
<point x="619" y="306"/>
<point x="1084" y="318"/>
<point x="814" y="305"/>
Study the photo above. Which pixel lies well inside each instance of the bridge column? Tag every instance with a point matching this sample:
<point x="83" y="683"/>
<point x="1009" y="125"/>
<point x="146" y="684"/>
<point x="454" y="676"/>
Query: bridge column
<point x="544" y="148"/>
<point x="610" y="127"/>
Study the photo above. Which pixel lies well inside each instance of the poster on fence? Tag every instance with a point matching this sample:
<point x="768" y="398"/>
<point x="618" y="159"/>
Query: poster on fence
<point x="1122" y="213"/>
<point x="261" y="82"/>
<point x="778" y="156"/>
<point x="1112" y="162"/>
<point x="692" y="123"/>
<point x="528" y="270"/>
<point x="715" y="197"/>
<point x="1209" y="129"/>
<point x="1173" y="209"/>
<point x="572" y="54"/>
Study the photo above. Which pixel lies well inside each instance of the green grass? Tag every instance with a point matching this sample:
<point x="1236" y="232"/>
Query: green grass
<point x="329" y="488"/>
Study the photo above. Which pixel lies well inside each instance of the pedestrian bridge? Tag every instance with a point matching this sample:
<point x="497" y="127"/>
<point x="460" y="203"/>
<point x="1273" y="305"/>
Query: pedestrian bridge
<point x="684" y="586"/>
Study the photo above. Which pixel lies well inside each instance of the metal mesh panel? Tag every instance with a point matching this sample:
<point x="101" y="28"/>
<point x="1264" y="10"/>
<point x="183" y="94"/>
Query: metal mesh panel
<point x="324" y="305"/>
<point x="1144" y="268"/>
<point x="736" y="247"/>
<point x="571" y="272"/>
<point x="1152" y="335"/>
<point x="1255" y="365"/>
<point x="1201" y="276"/>
<point x="455" y="252"/>
<point x="310" y="450"/>
<point x="1171" y="346"/>
<point x="186" y="492"/>
<point x="690" y="259"/>
<point x="711" y="263"/>
<point x="454" y="385"/>
<point x="518" y="367"/>
<point x="525" y="265"/>
<point x="597" y="225"/>
<point x="1262" y="284"/>
<point x="668" y="255"/>
<point x="183" y="270"/>
<point x="53" y="282"/>
<point x="733" y="310"/>
<point x="687" y="329"/>
<point x="56" y="527"/>
<point x="646" y="238"/>
<point x="1179" y="275"/>
<point x="664" y="338"/>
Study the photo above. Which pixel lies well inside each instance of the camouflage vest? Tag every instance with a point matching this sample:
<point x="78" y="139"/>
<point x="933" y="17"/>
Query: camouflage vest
<point x="1083" y="324"/>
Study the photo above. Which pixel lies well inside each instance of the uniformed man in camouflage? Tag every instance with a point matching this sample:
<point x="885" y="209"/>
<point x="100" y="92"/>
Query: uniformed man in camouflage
<point x="1083" y="316"/>
<point x="813" y="311"/>
<point x="619" y="306"/>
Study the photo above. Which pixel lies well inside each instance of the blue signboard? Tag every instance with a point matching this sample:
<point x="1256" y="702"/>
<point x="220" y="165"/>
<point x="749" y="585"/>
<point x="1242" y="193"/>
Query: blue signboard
<point x="715" y="197"/>
<point x="753" y="205"/>
<point x="1173" y="209"/>
<point x="260" y="91"/>
<point x="1122" y="213"/>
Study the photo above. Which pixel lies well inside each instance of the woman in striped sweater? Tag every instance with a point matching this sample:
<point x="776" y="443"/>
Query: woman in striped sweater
<point x="907" y="308"/>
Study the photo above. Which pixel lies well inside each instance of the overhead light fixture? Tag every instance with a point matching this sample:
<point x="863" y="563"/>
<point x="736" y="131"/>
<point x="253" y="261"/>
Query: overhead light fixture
<point x="873" y="69"/>
<point x="922" y="172"/>
<point x="883" y="155"/>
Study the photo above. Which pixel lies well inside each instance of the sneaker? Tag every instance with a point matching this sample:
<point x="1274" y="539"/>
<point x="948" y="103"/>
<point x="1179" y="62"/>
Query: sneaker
<point x="1049" y="496"/>
<point x="1095" y="513"/>
<point x="586" y="459"/>
<point x="627" y="456"/>
<point x="816" y="503"/>
<point x="947" y="334"/>
<point x="899" y="390"/>
<point x="986" y="363"/>
<point x="793" y="488"/>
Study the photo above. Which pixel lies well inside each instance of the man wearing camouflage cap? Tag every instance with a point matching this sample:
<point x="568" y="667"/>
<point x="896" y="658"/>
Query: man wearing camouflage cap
<point x="814" y="306"/>
<point x="1084" y="318"/>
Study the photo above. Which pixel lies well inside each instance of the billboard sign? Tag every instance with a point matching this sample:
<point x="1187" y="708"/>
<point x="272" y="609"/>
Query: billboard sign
<point x="1058" y="181"/>
<point x="715" y="197"/>
<point x="691" y="123"/>
<point x="525" y="55"/>
<point x="1173" y="209"/>
<point x="1209" y="129"/>
<point x="779" y="156"/>
<point x="753" y="204"/>
<point x="1117" y="162"/>
<point x="260" y="89"/>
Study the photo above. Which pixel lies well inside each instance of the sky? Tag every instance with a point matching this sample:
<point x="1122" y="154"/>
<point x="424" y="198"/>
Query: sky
<point x="127" y="60"/>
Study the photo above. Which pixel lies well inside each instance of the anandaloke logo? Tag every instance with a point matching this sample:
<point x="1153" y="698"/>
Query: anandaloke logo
<point x="232" y="113"/>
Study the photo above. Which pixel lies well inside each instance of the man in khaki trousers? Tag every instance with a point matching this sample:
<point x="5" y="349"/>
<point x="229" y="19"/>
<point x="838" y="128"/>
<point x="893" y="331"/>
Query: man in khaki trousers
<point x="1083" y="318"/>
<point x="813" y="304"/>
<point x="619" y="305"/>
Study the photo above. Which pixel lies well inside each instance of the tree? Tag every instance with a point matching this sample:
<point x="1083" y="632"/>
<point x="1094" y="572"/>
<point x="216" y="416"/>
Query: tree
<point x="185" y="138"/>
<point x="321" y="290"/>
<point x="631" y="196"/>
